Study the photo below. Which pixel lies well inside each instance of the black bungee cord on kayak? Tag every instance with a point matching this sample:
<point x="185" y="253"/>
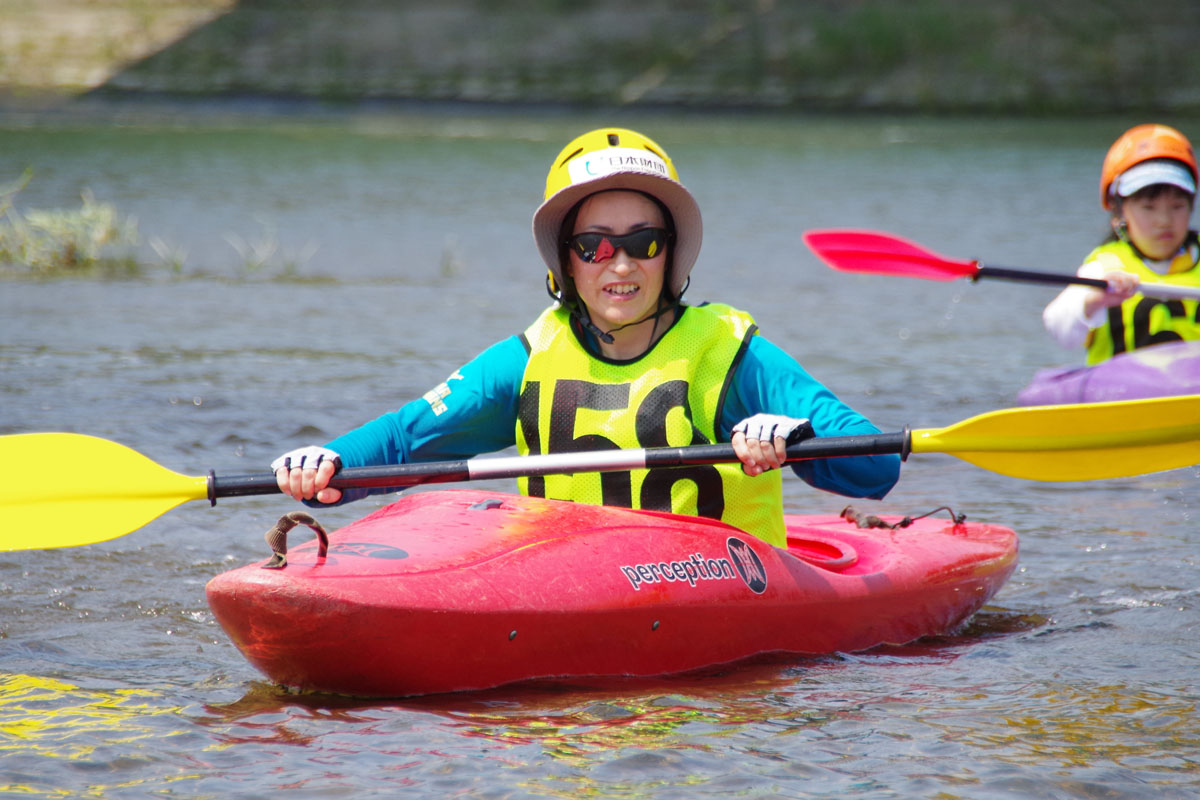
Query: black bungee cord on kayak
<point x="277" y="536"/>
<point x="872" y="521"/>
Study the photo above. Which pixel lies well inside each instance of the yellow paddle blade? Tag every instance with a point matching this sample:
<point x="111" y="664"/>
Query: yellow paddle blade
<point x="1089" y="441"/>
<point x="67" y="489"/>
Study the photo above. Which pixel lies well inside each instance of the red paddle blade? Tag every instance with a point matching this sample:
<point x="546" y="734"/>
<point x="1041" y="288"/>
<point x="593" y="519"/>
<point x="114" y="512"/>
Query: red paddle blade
<point x="884" y="254"/>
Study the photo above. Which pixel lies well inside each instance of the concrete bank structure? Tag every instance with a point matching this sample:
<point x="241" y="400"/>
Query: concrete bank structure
<point x="1004" y="56"/>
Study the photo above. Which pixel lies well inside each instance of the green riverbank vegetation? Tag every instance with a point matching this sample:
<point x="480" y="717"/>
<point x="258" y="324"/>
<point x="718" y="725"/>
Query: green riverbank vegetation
<point x="1003" y="56"/>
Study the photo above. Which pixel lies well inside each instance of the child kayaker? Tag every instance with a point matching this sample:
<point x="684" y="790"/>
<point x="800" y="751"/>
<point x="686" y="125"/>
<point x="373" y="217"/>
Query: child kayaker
<point x="1148" y="186"/>
<point x="620" y="361"/>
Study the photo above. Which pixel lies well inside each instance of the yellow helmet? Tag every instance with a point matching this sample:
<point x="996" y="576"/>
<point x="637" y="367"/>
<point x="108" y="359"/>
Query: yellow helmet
<point x="616" y="158"/>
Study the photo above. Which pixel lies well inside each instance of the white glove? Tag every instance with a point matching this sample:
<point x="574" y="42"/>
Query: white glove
<point x="767" y="426"/>
<point x="306" y="458"/>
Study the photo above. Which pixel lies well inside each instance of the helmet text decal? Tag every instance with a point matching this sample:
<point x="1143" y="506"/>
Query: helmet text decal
<point x="613" y="160"/>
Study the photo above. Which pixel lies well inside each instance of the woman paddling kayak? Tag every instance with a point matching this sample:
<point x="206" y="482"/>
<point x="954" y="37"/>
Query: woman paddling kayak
<point x="620" y="361"/>
<point x="1148" y="186"/>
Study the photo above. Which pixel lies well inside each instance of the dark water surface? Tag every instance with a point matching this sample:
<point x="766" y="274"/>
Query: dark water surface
<point x="328" y="267"/>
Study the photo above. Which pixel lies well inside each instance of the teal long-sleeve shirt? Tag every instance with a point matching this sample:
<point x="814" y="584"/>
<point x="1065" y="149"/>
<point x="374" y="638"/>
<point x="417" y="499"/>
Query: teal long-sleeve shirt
<point x="475" y="411"/>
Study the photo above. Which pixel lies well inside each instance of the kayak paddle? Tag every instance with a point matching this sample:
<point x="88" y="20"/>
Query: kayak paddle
<point x="66" y="489"/>
<point x="884" y="254"/>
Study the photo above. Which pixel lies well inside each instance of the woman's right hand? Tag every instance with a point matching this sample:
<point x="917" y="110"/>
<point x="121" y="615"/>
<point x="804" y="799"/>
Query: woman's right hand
<point x="304" y="473"/>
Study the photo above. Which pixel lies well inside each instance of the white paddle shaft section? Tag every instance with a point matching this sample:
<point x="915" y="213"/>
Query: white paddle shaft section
<point x="1169" y="291"/>
<point x="555" y="464"/>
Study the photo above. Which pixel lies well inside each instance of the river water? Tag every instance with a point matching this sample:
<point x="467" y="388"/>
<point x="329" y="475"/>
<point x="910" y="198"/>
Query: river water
<point x="309" y="268"/>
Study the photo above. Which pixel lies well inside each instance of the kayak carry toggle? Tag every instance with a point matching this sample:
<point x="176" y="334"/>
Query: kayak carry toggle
<point x="277" y="537"/>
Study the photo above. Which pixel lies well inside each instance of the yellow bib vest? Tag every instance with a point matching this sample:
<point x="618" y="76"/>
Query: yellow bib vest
<point x="572" y="400"/>
<point x="1142" y="321"/>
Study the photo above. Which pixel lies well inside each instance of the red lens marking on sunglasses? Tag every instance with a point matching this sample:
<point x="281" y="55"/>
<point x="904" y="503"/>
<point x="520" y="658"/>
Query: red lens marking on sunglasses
<point x="605" y="251"/>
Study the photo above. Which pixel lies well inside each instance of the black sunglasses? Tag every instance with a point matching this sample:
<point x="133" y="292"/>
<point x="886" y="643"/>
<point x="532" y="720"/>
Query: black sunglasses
<point x="643" y="243"/>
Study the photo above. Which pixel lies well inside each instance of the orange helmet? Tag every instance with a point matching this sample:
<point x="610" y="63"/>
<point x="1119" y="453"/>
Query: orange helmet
<point x="1143" y="143"/>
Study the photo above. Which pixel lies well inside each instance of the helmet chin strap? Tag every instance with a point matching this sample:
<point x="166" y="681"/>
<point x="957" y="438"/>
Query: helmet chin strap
<point x="586" y="321"/>
<point x="608" y="336"/>
<point x="579" y="311"/>
<point x="1121" y="229"/>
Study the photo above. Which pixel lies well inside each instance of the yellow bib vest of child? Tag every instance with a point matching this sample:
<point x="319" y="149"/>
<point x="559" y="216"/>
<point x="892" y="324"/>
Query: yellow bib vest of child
<point x="572" y="400"/>
<point x="1143" y="321"/>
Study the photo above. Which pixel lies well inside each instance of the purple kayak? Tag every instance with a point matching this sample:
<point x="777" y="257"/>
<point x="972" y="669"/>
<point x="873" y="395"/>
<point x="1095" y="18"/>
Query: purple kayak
<point x="1159" y="371"/>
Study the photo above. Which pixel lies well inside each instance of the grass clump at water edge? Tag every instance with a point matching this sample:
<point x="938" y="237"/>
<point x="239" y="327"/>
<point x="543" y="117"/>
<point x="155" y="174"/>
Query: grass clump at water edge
<point x="97" y="241"/>
<point x="93" y="239"/>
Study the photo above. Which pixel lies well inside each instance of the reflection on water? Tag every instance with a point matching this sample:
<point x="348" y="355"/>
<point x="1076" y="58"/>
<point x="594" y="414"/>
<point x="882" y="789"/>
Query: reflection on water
<point x="45" y="714"/>
<point x="409" y="237"/>
<point x="49" y="728"/>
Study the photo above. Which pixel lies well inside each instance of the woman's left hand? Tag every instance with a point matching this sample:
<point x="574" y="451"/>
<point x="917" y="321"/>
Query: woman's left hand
<point x="761" y="441"/>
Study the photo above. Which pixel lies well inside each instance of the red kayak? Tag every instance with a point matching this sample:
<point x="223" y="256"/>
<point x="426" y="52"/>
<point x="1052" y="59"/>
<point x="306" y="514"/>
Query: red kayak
<point x="455" y="590"/>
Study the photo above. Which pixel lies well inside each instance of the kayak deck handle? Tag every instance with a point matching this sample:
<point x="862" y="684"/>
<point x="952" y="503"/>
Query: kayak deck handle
<point x="277" y="538"/>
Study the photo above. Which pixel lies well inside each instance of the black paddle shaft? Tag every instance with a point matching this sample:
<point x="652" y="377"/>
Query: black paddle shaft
<point x="396" y="476"/>
<point x="399" y="476"/>
<point x="1008" y="273"/>
<point x="824" y="447"/>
